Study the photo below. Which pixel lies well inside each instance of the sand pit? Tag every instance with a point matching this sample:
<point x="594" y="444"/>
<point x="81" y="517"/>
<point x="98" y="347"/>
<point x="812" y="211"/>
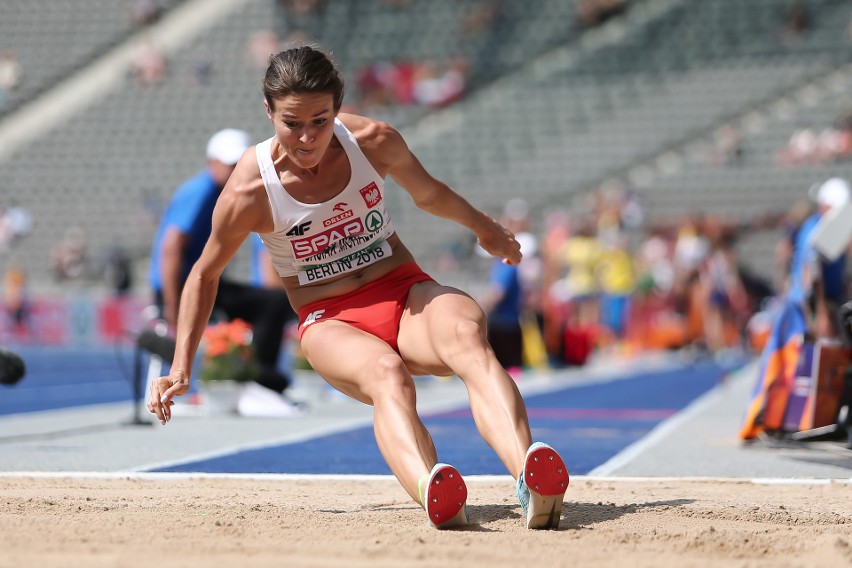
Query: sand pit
<point x="214" y="522"/>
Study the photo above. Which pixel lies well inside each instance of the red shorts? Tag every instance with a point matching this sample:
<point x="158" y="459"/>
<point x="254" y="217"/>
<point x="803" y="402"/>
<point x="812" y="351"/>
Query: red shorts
<point x="375" y="307"/>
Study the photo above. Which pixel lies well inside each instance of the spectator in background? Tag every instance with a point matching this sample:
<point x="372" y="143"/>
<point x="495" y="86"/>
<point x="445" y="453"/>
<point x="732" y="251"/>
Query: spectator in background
<point x="148" y="65"/>
<point x="10" y="74"/>
<point x="810" y="145"/>
<point x="791" y="223"/>
<point x="797" y="22"/>
<point x="118" y="270"/>
<point x="70" y="256"/>
<point x="616" y="279"/>
<point x="655" y="268"/>
<point x="726" y="301"/>
<point x="436" y="85"/>
<point x="261" y="45"/>
<point x="182" y="234"/>
<point x="386" y="83"/>
<point x="580" y="257"/>
<point x="727" y="146"/>
<point x="201" y="67"/>
<point x="16" y="298"/>
<point x="801" y="148"/>
<point x="576" y="294"/>
<point x="557" y="229"/>
<point x="817" y="284"/>
<point x="144" y="12"/>
<point x="504" y="300"/>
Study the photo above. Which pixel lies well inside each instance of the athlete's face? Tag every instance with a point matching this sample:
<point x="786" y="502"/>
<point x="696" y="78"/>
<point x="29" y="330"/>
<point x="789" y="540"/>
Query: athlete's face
<point x="304" y="125"/>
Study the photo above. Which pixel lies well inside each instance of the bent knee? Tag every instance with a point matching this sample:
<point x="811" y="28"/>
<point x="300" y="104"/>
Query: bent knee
<point x="391" y="377"/>
<point x="390" y="365"/>
<point x="470" y="332"/>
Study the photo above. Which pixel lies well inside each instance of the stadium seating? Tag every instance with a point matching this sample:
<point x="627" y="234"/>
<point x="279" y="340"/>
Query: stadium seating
<point x="53" y="39"/>
<point x="552" y="110"/>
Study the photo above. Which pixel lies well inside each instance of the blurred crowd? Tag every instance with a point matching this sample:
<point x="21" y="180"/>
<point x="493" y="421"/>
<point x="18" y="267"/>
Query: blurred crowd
<point x="815" y="145"/>
<point x="609" y="281"/>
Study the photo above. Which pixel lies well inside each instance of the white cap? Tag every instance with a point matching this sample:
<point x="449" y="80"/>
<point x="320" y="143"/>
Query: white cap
<point x="832" y="193"/>
<point x="529" y="245"/>
<point x="228" y="145"/>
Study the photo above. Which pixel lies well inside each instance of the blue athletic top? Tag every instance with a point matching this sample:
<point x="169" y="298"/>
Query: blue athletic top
<point x="831" y="273"/>
<point x="257" y="250"/>
<point x="506" y="277"/>
<point x="190" y="211"/>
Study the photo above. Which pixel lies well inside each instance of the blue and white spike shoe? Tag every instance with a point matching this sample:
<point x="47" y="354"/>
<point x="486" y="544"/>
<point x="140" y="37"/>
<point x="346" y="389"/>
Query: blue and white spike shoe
<point x="541" y="487"/>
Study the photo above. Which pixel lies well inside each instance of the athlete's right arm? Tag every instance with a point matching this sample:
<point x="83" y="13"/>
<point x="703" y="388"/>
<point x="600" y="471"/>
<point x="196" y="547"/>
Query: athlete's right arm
<point x="239" y="211"/>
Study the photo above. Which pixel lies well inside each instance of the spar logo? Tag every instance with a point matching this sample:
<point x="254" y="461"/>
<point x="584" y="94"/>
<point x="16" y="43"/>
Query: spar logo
<point x="371" y="194"/>
<point x="374" y="221"/>
<point x="309" y="246"/>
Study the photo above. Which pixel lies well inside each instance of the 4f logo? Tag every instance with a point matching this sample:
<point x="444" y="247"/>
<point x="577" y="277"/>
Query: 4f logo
<point x="299" y="230"/>
<point x="371" y="194"/>
<point x="313" y="317"/>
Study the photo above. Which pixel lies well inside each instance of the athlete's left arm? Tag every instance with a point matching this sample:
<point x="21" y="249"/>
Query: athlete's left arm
<point x="436" y="197"/>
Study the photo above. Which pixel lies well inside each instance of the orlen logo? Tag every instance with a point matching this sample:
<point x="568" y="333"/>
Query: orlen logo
<point x="312" y="245"/>
<point x="371" y="194"/>
<point x="337" y="218"/>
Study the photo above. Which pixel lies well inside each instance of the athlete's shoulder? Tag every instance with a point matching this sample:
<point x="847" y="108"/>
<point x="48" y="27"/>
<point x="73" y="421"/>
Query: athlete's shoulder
<point x="245" y="187"/>
<point x="381" y="143"/>
<point x="246" y="175"/>
<point x="368" y="131"/>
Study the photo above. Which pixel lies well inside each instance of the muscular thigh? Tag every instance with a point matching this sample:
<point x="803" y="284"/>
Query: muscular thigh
<point x="346" y="357"/>
<point x="427" y="331"/>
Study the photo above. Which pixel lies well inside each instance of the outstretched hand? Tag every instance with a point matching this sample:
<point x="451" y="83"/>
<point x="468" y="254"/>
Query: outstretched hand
<point x="499" y="241"/>
<point x="163" y="390"/>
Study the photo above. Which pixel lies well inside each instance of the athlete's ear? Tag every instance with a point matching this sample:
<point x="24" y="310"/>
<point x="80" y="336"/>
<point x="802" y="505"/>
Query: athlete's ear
<point x="268" y="110"/>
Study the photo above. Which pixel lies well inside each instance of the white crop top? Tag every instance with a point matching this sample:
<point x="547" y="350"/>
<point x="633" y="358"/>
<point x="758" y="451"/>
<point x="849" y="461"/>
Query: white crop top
<point x="316" y="241"/>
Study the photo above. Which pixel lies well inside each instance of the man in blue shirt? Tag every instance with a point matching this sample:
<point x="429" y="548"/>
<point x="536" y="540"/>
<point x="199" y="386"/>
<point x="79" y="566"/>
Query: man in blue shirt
<point x="182" y="234"/>
<point x="817" y="283"/>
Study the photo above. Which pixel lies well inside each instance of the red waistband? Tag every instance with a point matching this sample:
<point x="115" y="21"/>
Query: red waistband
<point x="401" y="272"/>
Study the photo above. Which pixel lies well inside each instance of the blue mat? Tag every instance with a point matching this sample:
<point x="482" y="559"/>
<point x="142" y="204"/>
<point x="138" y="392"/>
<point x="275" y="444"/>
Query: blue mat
<point x="587" y="424"/>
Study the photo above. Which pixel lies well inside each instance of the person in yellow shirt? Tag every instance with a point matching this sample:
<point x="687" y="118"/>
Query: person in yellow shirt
<point x="616" y="281"/>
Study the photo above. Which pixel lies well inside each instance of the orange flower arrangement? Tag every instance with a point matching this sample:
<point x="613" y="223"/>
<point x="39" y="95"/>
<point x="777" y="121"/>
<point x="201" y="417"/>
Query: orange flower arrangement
<point x="228" y="353"/>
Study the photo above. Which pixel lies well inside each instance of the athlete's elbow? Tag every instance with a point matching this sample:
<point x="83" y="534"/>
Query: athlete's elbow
<point x="202" y="277"/>
<point x="429" y="201"/>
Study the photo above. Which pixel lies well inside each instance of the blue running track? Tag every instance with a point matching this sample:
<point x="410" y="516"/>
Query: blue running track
<point x="588" y="424"/>
<point x="69" y="377"/>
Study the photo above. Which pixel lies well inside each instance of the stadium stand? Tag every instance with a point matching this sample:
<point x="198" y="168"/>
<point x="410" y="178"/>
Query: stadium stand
<point x="51" y="40"/>
<point x="552" y="111"/>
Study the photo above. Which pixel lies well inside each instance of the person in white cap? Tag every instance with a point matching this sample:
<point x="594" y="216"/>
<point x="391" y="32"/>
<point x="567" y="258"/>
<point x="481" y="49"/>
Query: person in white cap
<point x="183" y="232"/>
<point x="816" y="283"/>
<point x="371" y="318"/>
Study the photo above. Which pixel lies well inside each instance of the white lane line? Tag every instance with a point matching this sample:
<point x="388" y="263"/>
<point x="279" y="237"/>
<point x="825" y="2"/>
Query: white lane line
<point x="662" y="430"/>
